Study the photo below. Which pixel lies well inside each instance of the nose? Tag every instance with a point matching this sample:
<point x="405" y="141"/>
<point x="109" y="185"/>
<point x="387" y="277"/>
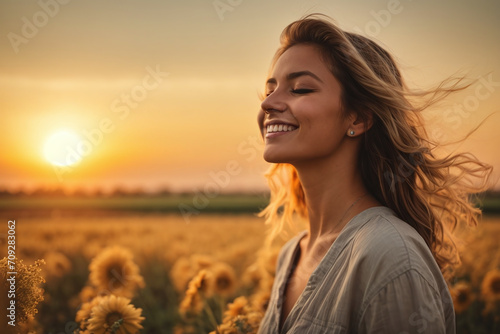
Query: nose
<point x="273" y="102"/>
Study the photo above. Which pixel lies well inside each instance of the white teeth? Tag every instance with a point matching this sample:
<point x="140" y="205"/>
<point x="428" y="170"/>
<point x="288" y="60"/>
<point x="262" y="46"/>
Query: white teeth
<point x="280" y="128"/>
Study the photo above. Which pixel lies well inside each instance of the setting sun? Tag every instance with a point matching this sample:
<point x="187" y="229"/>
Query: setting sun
<point x="59" y="149"/>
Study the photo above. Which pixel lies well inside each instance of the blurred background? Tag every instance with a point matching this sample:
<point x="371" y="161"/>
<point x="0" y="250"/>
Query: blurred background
<point x="73" y="66"/>
<point x="144" y="114"/>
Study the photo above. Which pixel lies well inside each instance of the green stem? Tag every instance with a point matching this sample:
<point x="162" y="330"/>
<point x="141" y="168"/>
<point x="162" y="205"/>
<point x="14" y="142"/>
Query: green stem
<point x="211" y="316"/>
<point x="116" y="326"/>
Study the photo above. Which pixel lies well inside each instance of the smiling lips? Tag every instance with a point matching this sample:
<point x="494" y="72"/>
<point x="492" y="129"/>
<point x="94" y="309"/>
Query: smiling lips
<point x="280" y="128"/>
<point x="274" y="130"/>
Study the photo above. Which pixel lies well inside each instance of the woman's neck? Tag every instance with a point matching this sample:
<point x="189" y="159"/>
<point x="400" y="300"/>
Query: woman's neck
<point x="334" y="193"/>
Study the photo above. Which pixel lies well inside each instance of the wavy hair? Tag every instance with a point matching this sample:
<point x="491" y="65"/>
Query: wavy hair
<point x="397" y="158"/>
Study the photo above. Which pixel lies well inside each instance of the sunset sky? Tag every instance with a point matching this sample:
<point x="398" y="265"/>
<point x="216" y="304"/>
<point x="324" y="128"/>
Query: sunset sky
<point x="165" y="93"/>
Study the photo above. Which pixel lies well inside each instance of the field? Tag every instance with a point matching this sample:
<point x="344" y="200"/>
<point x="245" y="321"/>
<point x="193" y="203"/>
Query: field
<point x="173" y="275"/>
<point x="187" y="204"/>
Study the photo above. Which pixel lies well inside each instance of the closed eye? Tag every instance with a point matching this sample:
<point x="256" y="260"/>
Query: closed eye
<point x="302" y="91"/>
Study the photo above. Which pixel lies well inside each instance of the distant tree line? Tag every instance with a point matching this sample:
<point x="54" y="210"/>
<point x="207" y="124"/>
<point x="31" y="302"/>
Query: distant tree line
<point x="118" y="191"/>
<point x="79" y="192"/>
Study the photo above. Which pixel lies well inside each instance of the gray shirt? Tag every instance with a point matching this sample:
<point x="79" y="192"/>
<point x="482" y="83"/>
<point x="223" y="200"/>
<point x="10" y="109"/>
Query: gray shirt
<point x="378" y="276"/>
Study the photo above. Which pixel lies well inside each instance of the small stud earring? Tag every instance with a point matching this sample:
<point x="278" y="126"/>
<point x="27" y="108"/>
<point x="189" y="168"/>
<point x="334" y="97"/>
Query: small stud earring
<point x="351" y="133"/>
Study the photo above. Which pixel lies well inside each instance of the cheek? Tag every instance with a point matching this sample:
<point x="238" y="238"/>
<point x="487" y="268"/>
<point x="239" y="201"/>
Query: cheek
<point x="323" y="122"/>
<point x="321" y="135"/>
<point x="260" y="120"/>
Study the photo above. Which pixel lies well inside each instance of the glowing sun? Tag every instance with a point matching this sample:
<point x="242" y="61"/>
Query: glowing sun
<point x="59" y="149"/>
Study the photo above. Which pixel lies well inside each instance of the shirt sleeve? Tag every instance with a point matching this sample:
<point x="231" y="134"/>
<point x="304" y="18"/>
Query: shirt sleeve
<point x="407" y="304"/>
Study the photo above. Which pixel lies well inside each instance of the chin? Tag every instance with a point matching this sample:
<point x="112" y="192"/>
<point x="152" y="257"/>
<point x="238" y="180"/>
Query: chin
<point x="276" y="158"/>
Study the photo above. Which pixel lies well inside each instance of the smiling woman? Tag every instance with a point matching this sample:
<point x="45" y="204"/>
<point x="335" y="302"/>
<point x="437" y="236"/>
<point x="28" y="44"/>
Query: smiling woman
<point x="352" y="157"/>
<point x="59" y="148"/>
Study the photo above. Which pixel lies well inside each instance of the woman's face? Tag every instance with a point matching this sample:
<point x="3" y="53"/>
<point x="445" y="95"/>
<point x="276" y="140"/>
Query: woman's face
<point x="301" y="115"/>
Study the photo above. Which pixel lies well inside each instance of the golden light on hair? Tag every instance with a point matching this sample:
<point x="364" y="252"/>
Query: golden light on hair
<point x="398" y="161"/>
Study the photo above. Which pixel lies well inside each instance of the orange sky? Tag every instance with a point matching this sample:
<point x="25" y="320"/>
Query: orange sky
<point x="177" y="84"/>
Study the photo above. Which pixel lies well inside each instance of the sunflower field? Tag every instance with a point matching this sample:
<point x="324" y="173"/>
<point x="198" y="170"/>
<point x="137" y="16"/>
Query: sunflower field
<point x="152" y="273"/>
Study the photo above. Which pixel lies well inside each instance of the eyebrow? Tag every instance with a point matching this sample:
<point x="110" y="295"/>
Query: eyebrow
<point x="295" y="75"/>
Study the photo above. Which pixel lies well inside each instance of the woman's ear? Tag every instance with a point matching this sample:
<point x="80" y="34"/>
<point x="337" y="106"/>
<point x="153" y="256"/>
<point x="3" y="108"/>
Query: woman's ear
<point x="359" y="124"/>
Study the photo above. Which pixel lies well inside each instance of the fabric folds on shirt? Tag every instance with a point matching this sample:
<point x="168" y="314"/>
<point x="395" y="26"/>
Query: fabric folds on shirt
<point x="378" y="276"/>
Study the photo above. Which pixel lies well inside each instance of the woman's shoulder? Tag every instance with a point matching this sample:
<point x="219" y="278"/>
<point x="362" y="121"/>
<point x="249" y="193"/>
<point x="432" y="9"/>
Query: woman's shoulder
<point x="392" y="246"/>
<point x="381" y="227"/>
<point x="397" y="274"/>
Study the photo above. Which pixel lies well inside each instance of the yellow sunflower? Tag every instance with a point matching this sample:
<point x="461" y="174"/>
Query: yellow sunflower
<point x="113" y="271"/>
<point x="490" y="288"/>
<point x="181" y="273"/>
<point x="462" y="296"/>
<point x="240" y="316"/>
<point x="83" y="314"/>
<point x="224" y="279"/>
<point x="236" y="308"/>
<point x="115" y="315"/>
<point x="201" y="283"/>
<point x="198" y="288"/>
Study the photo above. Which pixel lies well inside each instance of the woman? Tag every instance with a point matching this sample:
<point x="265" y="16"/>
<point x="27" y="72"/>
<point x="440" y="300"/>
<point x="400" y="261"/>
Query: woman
<point x="351" y="156"/>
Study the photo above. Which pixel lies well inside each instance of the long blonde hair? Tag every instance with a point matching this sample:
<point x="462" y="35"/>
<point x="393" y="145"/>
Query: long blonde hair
<point x="397" y="159"/>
